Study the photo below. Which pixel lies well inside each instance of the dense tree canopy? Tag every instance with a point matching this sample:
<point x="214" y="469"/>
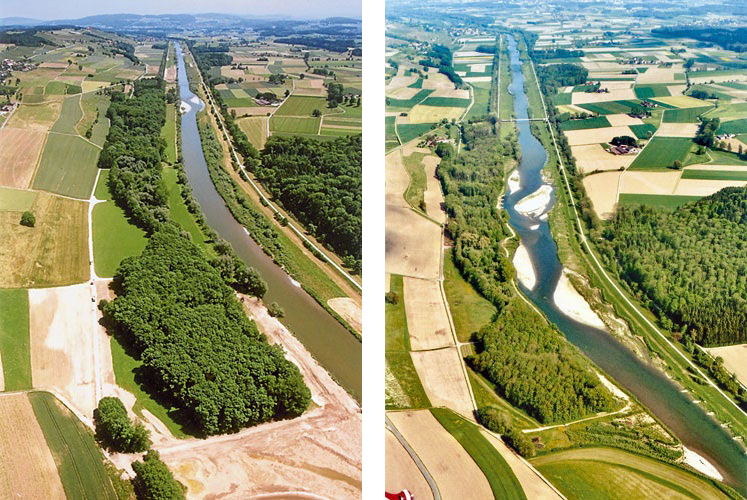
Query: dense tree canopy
<point x="320" y="183"/>
<point x="199" y="350"/>
<point x="690" y="264"/>
<point x="115" y="430"/>
<point x="536" y="369"/>
<point x="154" y="481"/>
<point x="553" y="76"/>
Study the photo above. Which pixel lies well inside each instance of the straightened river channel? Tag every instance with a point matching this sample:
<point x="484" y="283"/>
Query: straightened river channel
<point x="688" y="421"/>
<point x="336" y="349"/>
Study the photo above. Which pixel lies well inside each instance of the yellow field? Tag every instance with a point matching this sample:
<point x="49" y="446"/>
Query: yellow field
<point x="427" y="322"/>
<point x="596" y="135"/>
<point x="602" y="189"/>
<point x="453" y="470"/>
<point x="649" y="182"/>
<point x="19" y="154"/>
<point x="412" y="246"/>
<point x="432" y="114"/>
<point x="591" y="157"/>
<point x="28" y="470"/>
<point x="55" y="252"/>
<point x="622" y="120"/>
<point x="401" y="471"/>
<point x="441" y="374"/>
<point x="612" y="95"/>
<point x="37" y="116"/>
<point x="255" y="128"/>
<point x="702" y="187"/>
<point x="682" y="101"/>
<point x="433" y="196"/>
<point x="735" y="359"/>
<point x="677" y="130"/>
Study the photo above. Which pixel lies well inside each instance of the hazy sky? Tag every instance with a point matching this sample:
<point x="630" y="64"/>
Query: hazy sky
<point x="61" y="9"/>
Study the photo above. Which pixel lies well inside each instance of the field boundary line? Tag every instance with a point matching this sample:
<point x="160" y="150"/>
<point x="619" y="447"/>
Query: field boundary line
<point x="270" y="204"/>
<point x="603" y="272"/>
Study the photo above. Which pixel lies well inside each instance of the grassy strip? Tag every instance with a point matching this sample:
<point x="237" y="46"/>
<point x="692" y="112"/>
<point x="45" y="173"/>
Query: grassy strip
<point x="415" y="192"/>
<point x="178" y="210"/>
<point x="79" y="461"/>
<point x="14" y="339"/>
<point x="168" y="132"/>
<point x="506" y="108"/>
<point x="501" y="478"/>
<point x="668" y="201"/>
<point x="470" y="311"/>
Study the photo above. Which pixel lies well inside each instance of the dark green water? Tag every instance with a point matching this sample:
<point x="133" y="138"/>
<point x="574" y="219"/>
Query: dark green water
<point x="332" y="345"/>
<point x="687" y="420"/>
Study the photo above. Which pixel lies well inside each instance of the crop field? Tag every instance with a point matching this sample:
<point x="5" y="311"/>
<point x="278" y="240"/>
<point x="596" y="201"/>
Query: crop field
<point x="481" y="92"/>
<point x="70" y="115"/>
<point x="456" y="474"/>
<point x="605" y="473"/>
<point x="294" y="125"/>
<point x="684" y="115"/>
<point x="408" y="132"/>
<point x="595" y="136"/>
<point x="14" y="339"/>
<point x="738" y="126"/>
<point x="55" y="252"/>
<point x="303" y="106"/>
<point x="649" y="91"/>
<point x="662" y="152"/>
<point x="728" y="113"/>
<point x="114" y="238"/>
<point x="19" y="154"/>
<point x="390" y="135"/>
<point x="595" y="122"/>
<point x="67" y="166"/>
<point x="255" y="128"/>
<point x="29" y="469"/>
<point x="602" y="190"/>
<point x="716" y="175"/>
<point x="501" y="478"/>
<point x="428" y="323"/>
<point x="94" y="106"/>
<point x="432" y="114"/>
<point x="401" y="471"/>
<point x="441" y="374"/>
<point x="405" y="104"/>
<point x="610" y="107"/>
<point x="79" y="461"/>
<point x="643" y="131"/>
<point x="667" y="201"/>
<point x="683" y="102"/>
<point x="678" y="130"/>
<point x="446" y="102"/>
<point x="16" y="200"/>
<point x="36" y="117"/>
<point x="733" y="356"/>
<point x="168" y="132"/>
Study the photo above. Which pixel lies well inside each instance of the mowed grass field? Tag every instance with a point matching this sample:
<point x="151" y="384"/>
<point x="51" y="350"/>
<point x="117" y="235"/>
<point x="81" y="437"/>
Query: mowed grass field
<point x="178" y="210"/>
<point x="303" y="106"/>
<point x="469" y="310"/>
<point x="668" y="201"/>
<point x="606" y="473"/>
<point x="255" y="128"/>
<point x="70" y="115"/>
<point x="501" y="478"/>
<point x="684" y="115"/>
<point x="168" y="132"/>
<point x="79" y="461"/>
<point x="16" y="200"/>
<point x="716" y="175"/>
<point x="67" y="166"/>
<point x="294" y="125"/>
<point x="114" y="238"/>
<point x="588" y="123"/>
<point x="14" y="339"/>
<point x="53" y="253"/>
<point x="662" y="152"/>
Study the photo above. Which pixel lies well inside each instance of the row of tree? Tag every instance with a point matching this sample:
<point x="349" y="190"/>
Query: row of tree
<point x="200" y="353"/>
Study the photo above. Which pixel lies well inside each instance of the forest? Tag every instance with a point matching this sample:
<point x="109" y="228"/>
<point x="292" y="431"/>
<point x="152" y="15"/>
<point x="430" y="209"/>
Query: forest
<point x="320" y="183"/>
<point x="728" y="38"/>
<point x="199" y="350"/>
<point x="440" y="57"/>
<point x="554" y="76"/>
<point x="689" y="266"/>
<point x="533" y="367"/>
<point x="544" y="376"/>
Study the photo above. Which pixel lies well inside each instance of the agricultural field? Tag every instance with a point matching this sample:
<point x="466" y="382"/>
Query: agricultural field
<point x="67" y="166"/>
<point x="605" y="473"/>
<point x="54" y="252"/>
<point x="662" y="152"/>
<point x="114" y="237"/>
<point x="20" y="150"/>
<point x="14" y="340"/>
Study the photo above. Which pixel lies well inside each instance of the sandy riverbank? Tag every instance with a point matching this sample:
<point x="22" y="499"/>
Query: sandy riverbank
<point x="700" y="464"/>
<point x="573" y="304"/>
<point x="536" y="203"/>
<point x="524" y="268"/>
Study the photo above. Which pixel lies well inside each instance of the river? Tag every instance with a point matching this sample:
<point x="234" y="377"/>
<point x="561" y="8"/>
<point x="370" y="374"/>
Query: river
<point x="687" y="420"/>
<point x="336" y="349"/>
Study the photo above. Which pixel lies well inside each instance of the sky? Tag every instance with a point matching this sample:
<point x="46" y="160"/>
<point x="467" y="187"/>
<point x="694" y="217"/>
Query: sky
<point x="298" y="9"/>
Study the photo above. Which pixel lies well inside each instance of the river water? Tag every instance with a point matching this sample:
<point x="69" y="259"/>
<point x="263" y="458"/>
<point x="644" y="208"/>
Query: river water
<point x="688" y="421"/>
<point x="336" y="349"/>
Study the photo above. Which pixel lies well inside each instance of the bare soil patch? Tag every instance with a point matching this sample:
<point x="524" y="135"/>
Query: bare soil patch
<point x="591" y="157"/>
<point x="453" y="470"/>
<point x="677" y="129"/>
<point x="735" y="359"/>
<point x="396" y="179"/>
<point x="702" y="187"/>
<point x="434" y="197"/>
<point x="443" y="379"/>
<point x="62" y="352"/>
<point x="350" y="310"/>
<point x="427" y="320"/>
<point x="401" y="471"/>
<point x="596" y="135"/>
<point x="20" y="150"/>
<point x="412" y="245"/>
<point x="648" y="182"/>
<point x="29" y="470"/>
<point x="623" y="120"/>
<point x="602" y="189"/>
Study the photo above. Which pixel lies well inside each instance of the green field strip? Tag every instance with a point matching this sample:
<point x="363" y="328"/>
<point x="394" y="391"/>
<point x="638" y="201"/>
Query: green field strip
<point x="408" y="132"/>
<point x="15" y="351"/>
<point x="408" y="103"/>
<point x="67" y="166"/>
<point x="715" y="175"/>
<point x="339" y="132"/>
<point x="669" y="201"/>
<point x="168" y="132"/>
<point x="610" y="107"/>
<point x="70" y="114"/>
<point x="684" y="115"/>
<point x="501" y="478"/>
<point x="563" y="98"/>
<point x="481" y="94"/>
<point x="649" y="91"/>
<point x="303" y="106"/>
<point x="294" y="125"/>
<point x="738" y="126"/>
<point x="390" y="134"/>
<point x="662" y="152"/>
<point x="417" y="85"/>
<point x="446" y="102"/>
<point x="80" y="463"/>
<point x="16" y="200"/>
<point x="642" y="131"/>
<point x="243" y="102"/>
<point x="588" y="123"/>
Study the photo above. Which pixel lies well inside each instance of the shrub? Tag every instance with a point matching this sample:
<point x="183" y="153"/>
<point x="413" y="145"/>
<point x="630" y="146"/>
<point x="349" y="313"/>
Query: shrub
<point x="115" y="430"/>
<point x="520" y="442"/>
<point x="154" y="480"/>
<point x="275" y="310"/>
<point x="494" y="419"/>
<point x="28" y="219"/>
